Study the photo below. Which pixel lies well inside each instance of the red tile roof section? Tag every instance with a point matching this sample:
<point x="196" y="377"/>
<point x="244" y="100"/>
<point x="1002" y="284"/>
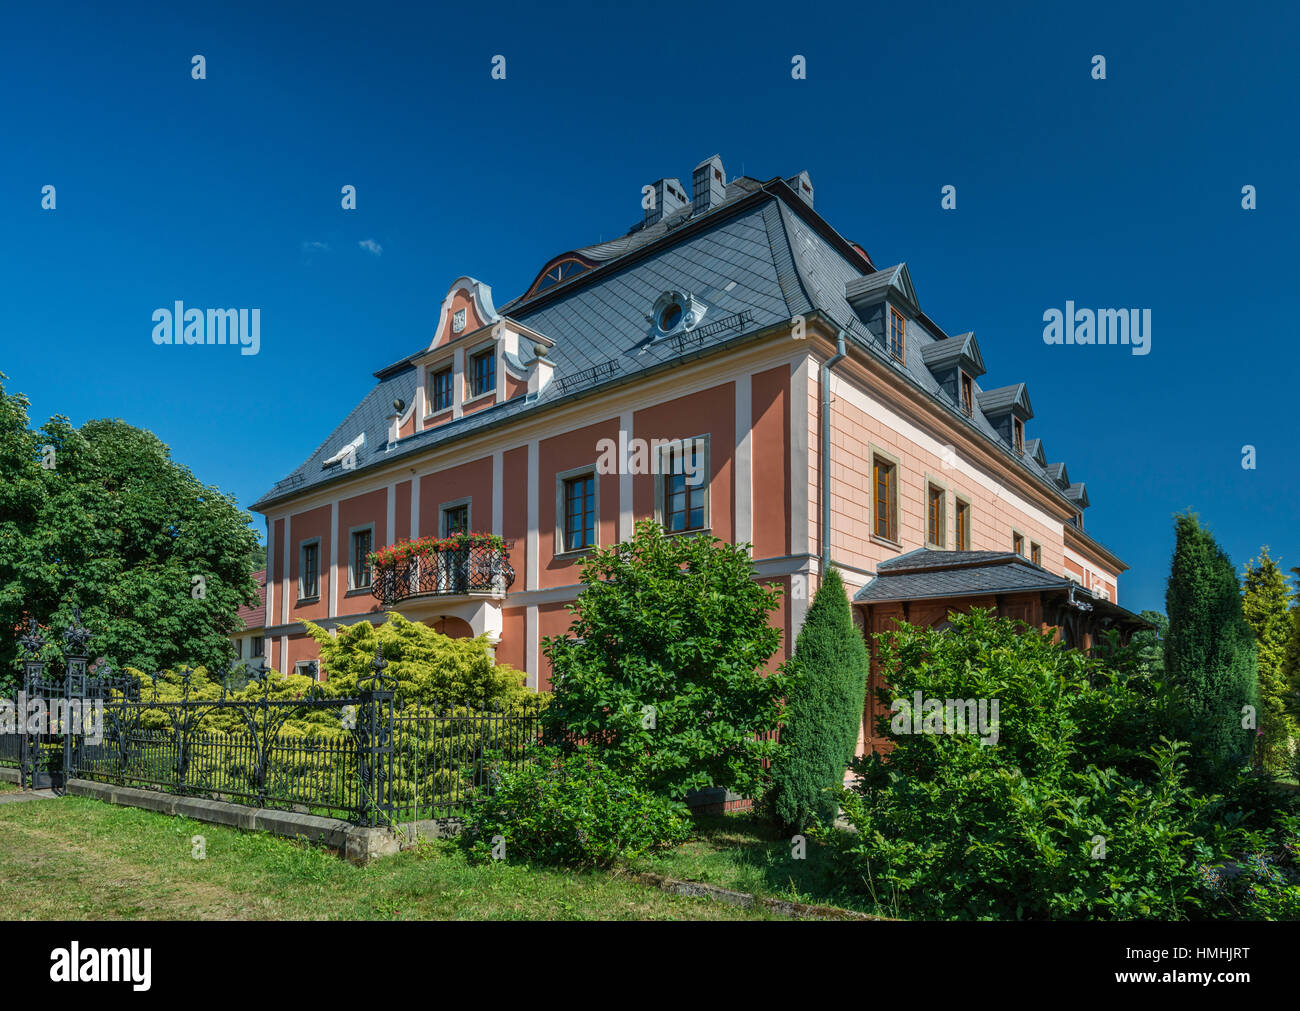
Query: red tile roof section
<point x="255" y="617"/>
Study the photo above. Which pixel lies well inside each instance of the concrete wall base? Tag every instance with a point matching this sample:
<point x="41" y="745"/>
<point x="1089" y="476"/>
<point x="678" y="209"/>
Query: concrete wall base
<point x="433" y="828"/>
<point x="356" y="843"/>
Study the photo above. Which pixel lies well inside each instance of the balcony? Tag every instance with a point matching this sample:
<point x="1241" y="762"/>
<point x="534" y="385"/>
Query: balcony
<point x="463" y="565"/>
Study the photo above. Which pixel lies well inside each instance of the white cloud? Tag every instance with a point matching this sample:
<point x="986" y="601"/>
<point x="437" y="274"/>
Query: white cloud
<point x="371" y="246"/>
<point x="315" y="247"/>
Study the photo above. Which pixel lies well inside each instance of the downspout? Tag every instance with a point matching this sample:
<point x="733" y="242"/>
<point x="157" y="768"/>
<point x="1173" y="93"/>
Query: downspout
<point x="824" y="424"/>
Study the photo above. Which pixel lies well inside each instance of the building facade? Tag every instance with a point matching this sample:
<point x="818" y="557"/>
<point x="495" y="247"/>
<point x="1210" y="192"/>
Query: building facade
<point x="732" y="364"/>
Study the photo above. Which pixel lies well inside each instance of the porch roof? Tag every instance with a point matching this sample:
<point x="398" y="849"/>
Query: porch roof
<point x="930" y="574"/>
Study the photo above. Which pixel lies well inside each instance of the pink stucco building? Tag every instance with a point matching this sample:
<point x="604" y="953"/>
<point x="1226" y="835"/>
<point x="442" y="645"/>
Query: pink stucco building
<point x="733" y="335"/>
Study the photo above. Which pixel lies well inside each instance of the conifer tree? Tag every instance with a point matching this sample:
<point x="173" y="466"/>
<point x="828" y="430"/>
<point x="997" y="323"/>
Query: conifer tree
<point x="1210" y="651"/>
<point x="823" y="711"/>
<point x="1264" y="605"/>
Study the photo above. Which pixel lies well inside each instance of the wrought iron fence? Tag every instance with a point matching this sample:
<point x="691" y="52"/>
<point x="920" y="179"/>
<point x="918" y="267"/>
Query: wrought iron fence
<point x="11" y="750"/>
<point x="347" y="757"/>
<point x="443" y="760"/>
<point x="242" y="750"/>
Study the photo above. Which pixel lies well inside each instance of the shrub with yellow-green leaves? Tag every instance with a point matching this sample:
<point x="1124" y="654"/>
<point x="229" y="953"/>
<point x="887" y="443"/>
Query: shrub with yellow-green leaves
<point x="432" y="669"/>
<point x="170" y="686"/>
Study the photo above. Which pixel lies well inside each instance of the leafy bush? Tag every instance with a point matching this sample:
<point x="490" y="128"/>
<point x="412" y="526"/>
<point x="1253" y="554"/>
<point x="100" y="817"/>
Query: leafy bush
<point x="663" y="669"/>
<point x="823" y="711"/>
<point x="432" y="669"/>
<point x="1264" y="882"/>
<point x="570" y="809"/>
<point x="1068" y="815"/>
<point x="171" y="686"/>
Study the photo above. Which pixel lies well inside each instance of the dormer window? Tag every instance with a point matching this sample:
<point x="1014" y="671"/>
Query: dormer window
<point x="967" y="395"/>
<point x="676" y="312"/>
<point x="1018" y="429"/>
<point x="897" y="335"/>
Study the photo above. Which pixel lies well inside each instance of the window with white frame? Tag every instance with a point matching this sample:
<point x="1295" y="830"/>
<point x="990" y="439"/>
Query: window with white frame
<point x="359" y="557"/>
<point x="309" y="569"/>
<point x="483" y="372"/>
<point x="684" y="485"/>
<point x="577" y="510"/>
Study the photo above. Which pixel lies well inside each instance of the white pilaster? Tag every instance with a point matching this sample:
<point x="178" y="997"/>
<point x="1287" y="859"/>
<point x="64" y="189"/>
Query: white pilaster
<point x="334" y="561"/>
<point x="744" y="471"/>
<point x="498" y="501"/>
<point x="531" y="549"/>
<point x="625" y="514"/>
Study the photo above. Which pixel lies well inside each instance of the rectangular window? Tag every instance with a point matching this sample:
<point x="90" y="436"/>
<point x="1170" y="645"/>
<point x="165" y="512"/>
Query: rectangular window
<point x="239" y="649"/>
<point x="483" y="372"/>
<point x="1018" y="428"/>
<point x="967" y="395"/>
<point x="440" y="390"/>
<point x="936" y="520"/>
<point x="1036" y="553"/>
<point x="455" y="520"/>
<point x="309" y="570"/>
<point x="579" y="513"/>
<point x="307" y="668"/>
<point x="359" y="572"/>
<point x="885" y="484"/>
<point x="897" y="334"/>
<point x="1017" y="543"/>
<point x="963" y="525"/>
<point x="257" y="647"/>
<point x="685" y="486"/>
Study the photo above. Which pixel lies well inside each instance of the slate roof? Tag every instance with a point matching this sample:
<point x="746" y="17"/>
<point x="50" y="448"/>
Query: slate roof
<point x="862" y="290"/>
<point x="949" y="353"/>
<point x="928" y="573"/>
<point x="755" y="259"/>
<point x="1004" y="398"/>
<point x="741" y="268"/>
<point x="642" y="234"/>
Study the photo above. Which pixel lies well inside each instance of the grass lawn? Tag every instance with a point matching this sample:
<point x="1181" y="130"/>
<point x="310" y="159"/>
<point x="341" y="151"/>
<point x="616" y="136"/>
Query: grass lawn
<point x="76" y="858"/>
<point x="743" y="853"/>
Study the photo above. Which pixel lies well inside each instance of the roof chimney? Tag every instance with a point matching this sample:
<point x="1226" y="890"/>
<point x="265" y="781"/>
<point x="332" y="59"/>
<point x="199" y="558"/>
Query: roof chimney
<point x="709" y="183"/>
<point x="802" y="185"/>
<point x="668" y="198"/>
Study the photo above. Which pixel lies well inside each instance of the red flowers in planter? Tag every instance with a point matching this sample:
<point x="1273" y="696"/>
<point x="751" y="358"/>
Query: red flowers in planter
<point x="403" y="551"/>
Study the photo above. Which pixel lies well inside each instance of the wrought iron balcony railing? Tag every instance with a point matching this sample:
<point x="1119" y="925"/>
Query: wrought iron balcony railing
<point x="444" y="572"/>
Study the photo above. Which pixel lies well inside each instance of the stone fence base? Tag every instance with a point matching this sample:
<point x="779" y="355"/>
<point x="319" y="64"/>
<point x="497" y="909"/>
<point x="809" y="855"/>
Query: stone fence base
<point x="357" y="843"/>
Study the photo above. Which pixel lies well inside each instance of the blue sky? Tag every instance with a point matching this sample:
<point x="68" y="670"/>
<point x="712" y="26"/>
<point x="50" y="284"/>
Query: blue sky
<point x="1123" y="192"/>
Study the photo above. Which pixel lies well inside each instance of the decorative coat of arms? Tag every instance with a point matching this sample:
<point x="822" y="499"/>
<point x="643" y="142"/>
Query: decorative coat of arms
<point x="458" y="321"/>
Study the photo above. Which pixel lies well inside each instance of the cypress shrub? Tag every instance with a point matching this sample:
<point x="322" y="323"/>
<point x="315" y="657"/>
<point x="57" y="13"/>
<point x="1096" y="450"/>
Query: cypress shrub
<point x="823" y="711"/>
<point x="1210" y="652"/>
<point x="1265" y="604"/>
